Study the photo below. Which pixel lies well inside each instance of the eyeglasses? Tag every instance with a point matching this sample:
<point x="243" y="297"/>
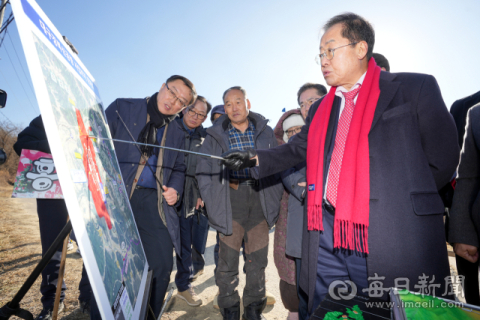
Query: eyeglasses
<point x="179" y="102"/>
<point x="291" y="132"/>
<point x="309" y="102"/>
<point x="193" y="114"/>
<point x="330" y="53"/>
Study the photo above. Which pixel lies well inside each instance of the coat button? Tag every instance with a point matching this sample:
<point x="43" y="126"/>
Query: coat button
<point x="133" y="164"/>
<point x="134" y="124"/>
<point x="135" y="180"/>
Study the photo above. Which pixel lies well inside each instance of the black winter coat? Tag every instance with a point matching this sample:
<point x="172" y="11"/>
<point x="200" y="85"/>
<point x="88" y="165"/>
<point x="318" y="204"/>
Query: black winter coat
<point x="33" y="137"/>
<point x="191" y="192"/>
<point x="413" y="152"/>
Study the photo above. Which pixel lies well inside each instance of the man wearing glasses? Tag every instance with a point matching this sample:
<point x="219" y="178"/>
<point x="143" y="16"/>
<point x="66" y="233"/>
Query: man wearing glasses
<point x="308" y="94"/>
<point x="191" y="224"/>
<point x="154" y="177"/>
<point x="239" y="207"/>
<point x="378" y="147"/>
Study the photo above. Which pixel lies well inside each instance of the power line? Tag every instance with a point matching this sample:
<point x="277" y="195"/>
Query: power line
<point x="21" y="65"/>
<point x="21" y="83"/>
<point x="7" y="117"/>
<point x="12" y="92"/>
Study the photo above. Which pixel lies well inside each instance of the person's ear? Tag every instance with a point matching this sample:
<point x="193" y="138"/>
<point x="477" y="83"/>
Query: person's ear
<point x="362" y="50"/>
<point x="248" y="104"/>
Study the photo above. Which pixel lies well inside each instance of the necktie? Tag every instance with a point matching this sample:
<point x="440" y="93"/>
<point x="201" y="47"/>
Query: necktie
<point x="339" y="148"/>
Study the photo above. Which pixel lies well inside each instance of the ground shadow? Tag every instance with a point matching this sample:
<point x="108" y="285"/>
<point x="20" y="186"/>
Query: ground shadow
<point x="20" y="246"/>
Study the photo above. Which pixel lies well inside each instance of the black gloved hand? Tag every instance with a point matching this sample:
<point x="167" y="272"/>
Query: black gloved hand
<point x="238" y="160"/>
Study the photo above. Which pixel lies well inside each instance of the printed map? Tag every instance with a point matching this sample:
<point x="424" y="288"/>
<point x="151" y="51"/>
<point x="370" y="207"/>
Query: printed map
<point x="96" y="175"/>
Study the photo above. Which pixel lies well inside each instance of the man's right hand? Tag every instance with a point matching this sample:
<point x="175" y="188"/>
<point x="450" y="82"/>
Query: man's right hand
<point x="237" y="160"/>
<point x="466" y="251"/>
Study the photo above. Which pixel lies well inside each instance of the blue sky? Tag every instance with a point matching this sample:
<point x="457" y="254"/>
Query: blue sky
<point x="268" y="47"/>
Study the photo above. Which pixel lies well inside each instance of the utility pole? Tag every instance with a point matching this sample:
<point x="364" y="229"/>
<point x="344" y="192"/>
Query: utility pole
<point x="3" y="5"/>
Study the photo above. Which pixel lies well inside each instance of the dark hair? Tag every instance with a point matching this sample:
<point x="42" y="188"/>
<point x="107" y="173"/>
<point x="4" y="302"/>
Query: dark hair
<point x="321" y="90"/>
<point x="188" y="83"/>
<point x="204" y="100"/>
<point x="235" y="88"/>
<point x="381" y="61"/>
<point x="355" y="28"/>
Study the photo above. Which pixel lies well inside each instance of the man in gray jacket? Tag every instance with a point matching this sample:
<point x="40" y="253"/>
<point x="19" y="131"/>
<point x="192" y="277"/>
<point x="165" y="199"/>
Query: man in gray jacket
<point x="239" y="207"/>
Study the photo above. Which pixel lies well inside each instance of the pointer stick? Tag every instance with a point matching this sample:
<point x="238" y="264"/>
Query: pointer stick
<point x="157" y="146"/>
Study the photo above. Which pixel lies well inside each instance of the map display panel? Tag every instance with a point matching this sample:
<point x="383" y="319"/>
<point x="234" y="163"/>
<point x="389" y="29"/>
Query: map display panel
<point x="87" y="168"/>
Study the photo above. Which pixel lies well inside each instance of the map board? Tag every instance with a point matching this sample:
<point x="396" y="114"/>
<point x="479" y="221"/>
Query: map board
<point x="36" y="177"/>
<point x="87" y="168"/>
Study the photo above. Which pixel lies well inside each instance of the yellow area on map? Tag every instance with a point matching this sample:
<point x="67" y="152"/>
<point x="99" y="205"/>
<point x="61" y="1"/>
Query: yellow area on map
<point x="78" y="155"/>
<point x="118" y="265"/>
<point x="100" y="232"/>
<point x="106" y="189"/>
<point x="71" y="101"/>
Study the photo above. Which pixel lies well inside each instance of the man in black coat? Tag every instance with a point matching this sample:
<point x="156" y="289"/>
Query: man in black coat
<point x="52" y="217"/>
<point x="191" y="123"/>
<point x="459" y="111"/>
<point x="412" y="152"/>
<point x="466" y="268"/>
<point x="464" y="223"/>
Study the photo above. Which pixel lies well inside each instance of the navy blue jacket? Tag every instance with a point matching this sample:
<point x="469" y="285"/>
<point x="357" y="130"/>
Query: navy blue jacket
<point x="413" y="152"/>
<point x="134" y="114"/>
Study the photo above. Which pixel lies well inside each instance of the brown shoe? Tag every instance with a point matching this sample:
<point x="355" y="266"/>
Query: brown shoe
<point x="190" y="297"/>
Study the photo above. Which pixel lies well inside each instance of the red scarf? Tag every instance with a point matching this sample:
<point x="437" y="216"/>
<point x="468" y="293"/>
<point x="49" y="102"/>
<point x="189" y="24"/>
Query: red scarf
<point x="352" y="211"/>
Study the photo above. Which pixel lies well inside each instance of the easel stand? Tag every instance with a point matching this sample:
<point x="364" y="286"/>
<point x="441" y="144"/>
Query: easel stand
<point x="12" y="308"/>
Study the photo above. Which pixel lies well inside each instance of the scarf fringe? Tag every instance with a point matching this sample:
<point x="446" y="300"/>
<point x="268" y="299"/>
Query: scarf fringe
<point x="350" y="235"/>
<point x="315" y="219"/>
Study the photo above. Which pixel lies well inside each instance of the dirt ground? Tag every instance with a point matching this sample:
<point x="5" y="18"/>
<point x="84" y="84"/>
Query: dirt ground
<point x="20" y="251"/>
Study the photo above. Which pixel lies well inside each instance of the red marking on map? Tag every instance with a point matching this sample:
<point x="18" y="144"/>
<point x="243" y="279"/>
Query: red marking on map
<point x="94" y="182"/>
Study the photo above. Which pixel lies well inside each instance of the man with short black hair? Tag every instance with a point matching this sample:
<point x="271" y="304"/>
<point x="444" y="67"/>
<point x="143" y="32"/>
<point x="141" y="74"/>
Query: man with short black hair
<point x="308" y="94"/>
<point x="154" y="177"/>
<point x="381" y="61"/>
<point x="191" y="123"/>
<point x="239" y="207"/>
<point x="378" y="147"/>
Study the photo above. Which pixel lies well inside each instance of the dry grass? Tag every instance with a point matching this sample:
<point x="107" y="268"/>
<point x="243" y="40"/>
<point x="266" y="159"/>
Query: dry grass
<point x="20" y="251"/>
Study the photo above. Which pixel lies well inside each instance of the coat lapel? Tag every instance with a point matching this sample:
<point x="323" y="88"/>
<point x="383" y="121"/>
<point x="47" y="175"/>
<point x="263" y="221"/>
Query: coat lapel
<point x="388" y="89"/>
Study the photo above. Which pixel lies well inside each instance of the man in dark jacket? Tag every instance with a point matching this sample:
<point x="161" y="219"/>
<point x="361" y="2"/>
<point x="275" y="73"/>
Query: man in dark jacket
<point x="52" y="217"/>
<point x="239" y="207"/>
<point x="466" y="268"/>
<point x="154" y="177"/>
<point x="294" y="180"/>
<point x="464" y="219"/>
<point x="194" y="133"/>
<point x="386" y="229"/>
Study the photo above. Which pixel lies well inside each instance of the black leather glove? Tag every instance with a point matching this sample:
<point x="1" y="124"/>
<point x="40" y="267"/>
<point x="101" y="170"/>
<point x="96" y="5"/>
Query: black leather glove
<point x="238" y="160"/>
